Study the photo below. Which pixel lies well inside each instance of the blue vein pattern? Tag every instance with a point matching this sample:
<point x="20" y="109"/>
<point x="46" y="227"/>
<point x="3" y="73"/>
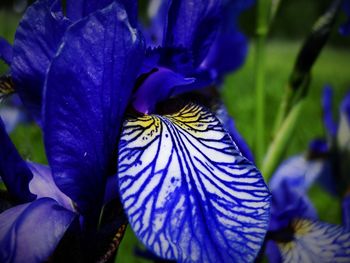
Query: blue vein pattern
<point x="317" y="242"/>
<point x="188" y="192"/>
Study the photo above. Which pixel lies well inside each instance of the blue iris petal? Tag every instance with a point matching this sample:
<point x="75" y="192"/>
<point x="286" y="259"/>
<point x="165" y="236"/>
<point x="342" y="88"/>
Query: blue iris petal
<point x="87" y="90"/>
<point x="289" y="187"/>
<point x="346" y="212"/>
<point x="230" y="47"/>
<point x="229" y="124"/>
<point x="13" y="170"/>
<point x="193" y="24"/>
<point x="159" y="86"/>
<point x="5" y="51"/>
<point x="37" y="39"/>
<point x="316" y="242"/>
<point x="328" y="120"/>
<point x="345" y="28"/>
<point x="43" y="185"/>
<point x="78" y="9"/>
<point x="188" y="192"/>
<point x="30" y="232"/>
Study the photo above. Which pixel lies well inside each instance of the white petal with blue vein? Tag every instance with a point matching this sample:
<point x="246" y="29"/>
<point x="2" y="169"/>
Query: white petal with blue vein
<point x="316" y="242"/>
<point x="188" y="192"/>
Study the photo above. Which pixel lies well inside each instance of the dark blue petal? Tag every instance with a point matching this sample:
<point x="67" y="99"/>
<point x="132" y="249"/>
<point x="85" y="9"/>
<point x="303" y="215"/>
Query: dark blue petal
<point x="316" y="241"/>
<point x="157" y="13"/>
<point x="31" y="232"/>
<point x="346" y="212"/>
<point x="5" y="51"/>
<point x="328" y="121"/>
<point x="188" y="192"/>
<point x="289" y="187"/>
<point x="193" y="24"/>
<point x="318" y="147"/>
<point x="229" y="125"/>
<point x="87" y="90"/>
<point x="227" y="54"/>
<point x="36" y="41"/>
<point x="11" y="116"/>
<point x="273" y="253"/>
<point x="343" y="136"/>
<point x="345" y="28"/>
<point x="159" y="86"/>
<point x="77" y="9"/>
<point x="13" y="170"/>
<point x="43" y="185"/>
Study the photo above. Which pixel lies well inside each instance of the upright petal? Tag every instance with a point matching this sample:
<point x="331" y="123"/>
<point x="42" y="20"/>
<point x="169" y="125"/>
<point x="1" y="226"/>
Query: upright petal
<point x="87" y="90"/>
<point x="188" y="192"/>
<point x="77" y="9"/>
<point x="193" y="24"/>
<point x="13" y="170"/>
<point x="343" y="135"/>
<point x="30" y="232"/>
<point x="36" y="41"/>
<point x="328" y="120"/>
<point x="5" y="51"/>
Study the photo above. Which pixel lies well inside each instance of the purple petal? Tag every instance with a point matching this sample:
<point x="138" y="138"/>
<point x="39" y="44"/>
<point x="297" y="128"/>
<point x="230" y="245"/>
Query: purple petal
<point x="227" y="54"/>
<point x="188" y="192"/>
<point x="229" y="125"/>
<point x="43" y="185"/>
<point x="5" y="51"/>
<point x="193" y="24"/>
<point x="31" y="232"/>
<point x="345" y="28"/>
<point x="289" y="187"/>
<point x="343" y="136"/>
<point x="159" y="86"/>
<point x="157" y="13"/>
<point x="36" y="41"/>
<point x="328" y="121"/>
<point x="13" y="170"/>
<point x="346" y="212"/>
<point x="78" y="9"/>
<point x="87" y="90"/>
<point x="11" y="116"/>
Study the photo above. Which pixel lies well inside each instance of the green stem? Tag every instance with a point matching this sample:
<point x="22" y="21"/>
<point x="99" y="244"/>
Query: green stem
<point x="263" y="12"/>
<point x="279" y="145"/>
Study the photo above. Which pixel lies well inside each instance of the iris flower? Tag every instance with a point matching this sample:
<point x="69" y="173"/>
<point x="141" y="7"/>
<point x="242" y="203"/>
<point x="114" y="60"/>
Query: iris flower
<point x="117" y="118"/>
<point x="295" y="232"/>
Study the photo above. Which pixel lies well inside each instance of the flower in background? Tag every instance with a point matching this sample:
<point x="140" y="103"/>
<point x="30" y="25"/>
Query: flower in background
<point x="187" y="191"/>
<point x="345" y="28"/>
<point x="295" y="232"/>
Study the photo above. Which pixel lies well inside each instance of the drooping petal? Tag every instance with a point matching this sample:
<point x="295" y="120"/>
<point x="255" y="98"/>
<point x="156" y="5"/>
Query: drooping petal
<point x="43" y="185"/>
<point x="87" y="90"/>
<point x="5" y="51"/>
<point x="316" y="242"/>
<point x="193" y="24"/>
<point x="30" y="232"/>
<point x="13" y="169"/>
<point x="36" y="41"/>
<point x="188" y="193"/>
<point x="328" y="120"/>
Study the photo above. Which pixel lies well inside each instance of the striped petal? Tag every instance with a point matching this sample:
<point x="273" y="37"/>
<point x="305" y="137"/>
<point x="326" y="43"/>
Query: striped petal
<point x="188" y="192"/>
<point x="316" y="242"/>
